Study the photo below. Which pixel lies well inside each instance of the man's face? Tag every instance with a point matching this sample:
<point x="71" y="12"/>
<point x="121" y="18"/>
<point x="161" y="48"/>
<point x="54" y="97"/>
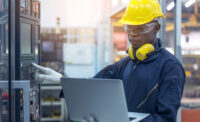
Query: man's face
<point x="139" y="35"/>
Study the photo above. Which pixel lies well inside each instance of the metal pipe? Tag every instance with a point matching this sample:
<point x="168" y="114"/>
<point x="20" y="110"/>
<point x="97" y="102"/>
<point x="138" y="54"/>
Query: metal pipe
<point x="162" y="22"/>
<point x="177" y="31"/>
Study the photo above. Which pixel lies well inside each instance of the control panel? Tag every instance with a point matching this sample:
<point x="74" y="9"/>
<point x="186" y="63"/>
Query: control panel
<point x="29" y="51"/>
<point x="25" y="50"/>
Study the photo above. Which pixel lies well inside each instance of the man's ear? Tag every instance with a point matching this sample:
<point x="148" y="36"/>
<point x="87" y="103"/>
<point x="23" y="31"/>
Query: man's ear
<point x="157" y="27"/>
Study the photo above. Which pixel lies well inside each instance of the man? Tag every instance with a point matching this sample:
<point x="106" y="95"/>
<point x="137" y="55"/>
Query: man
<point x="153" y="78"/>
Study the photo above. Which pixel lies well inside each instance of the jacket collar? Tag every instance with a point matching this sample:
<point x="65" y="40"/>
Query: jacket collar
<point x="153" y="55"/>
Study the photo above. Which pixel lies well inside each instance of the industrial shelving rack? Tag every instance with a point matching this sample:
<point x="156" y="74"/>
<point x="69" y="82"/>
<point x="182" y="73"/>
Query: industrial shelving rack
<point x="52" y="106"/>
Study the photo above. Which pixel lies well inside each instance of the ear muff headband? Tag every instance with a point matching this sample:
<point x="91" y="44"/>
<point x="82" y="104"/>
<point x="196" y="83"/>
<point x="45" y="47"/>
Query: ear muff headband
<point x="130" y="52"/>
<point x="141" y="53"/>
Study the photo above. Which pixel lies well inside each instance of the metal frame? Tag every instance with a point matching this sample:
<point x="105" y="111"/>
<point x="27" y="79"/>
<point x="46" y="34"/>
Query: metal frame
<point x="163" y="25"/>
<point x="25" y="86"/>
<point x="177" y="31"/>
<point x="9" y="84"/>
<point x="177" y="38"/>
<point x="178" y="117"/>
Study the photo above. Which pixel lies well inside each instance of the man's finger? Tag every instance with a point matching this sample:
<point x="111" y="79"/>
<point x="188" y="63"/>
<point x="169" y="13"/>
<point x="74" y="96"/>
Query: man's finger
<point x="43" y="77"/>
<point x="40" y="68"/>
<point x="94" y="118"/>
<point x="89" y="118"/>
<point x="84" y="120"/>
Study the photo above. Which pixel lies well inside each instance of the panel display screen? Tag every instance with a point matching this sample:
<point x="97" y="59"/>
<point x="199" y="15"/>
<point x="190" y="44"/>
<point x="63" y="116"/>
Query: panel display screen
<point x="25" y="37"/>
<point x="47" y="46"/>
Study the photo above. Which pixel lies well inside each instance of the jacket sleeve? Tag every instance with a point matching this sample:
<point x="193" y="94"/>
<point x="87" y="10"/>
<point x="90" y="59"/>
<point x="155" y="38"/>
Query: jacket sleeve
<point x="170" y="93"/>
<point x="109" y="72"/>
<point x="113" y="71"/>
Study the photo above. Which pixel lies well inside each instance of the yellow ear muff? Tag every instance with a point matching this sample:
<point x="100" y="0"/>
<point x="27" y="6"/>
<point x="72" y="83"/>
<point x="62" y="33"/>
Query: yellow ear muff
<point x="130" y="52"/>
<point x="142" y="52"/>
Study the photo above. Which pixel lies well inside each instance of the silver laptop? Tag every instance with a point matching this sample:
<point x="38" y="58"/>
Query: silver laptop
<point x="103" y="98"/>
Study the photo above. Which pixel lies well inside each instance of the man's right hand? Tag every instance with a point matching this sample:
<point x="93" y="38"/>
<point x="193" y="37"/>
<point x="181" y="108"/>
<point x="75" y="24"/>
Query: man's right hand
<point x="47" y="74"/>
<point x="90" y="118"/>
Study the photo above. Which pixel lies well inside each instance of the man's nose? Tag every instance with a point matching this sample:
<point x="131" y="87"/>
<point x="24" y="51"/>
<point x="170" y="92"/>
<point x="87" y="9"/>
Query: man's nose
<point x="133" y="34"/>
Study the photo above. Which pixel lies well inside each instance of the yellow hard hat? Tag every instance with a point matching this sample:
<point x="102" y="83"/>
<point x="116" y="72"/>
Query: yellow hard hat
<point x="140" y="12"/>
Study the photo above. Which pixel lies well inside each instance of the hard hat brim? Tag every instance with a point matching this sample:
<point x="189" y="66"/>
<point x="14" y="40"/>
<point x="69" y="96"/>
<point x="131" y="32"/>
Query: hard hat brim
<point x="126" y="22"/>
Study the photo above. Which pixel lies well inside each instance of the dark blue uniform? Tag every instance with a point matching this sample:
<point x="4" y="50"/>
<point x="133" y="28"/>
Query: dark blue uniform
<point x="154" y="85"/>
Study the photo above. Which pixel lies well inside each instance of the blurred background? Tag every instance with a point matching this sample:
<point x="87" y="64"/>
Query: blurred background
<point x="93" y="38"/>
<point x="80" y="37"/>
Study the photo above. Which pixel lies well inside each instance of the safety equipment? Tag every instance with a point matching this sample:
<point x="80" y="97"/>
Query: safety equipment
<point x="48" y="74"/>
<point x="140" y="12"/>
<point x="140" y="29"/>
<point x="141" y="53"/>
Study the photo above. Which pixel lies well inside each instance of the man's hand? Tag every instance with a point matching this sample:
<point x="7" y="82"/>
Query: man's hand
<point x="47" y="74"/>
<point x="90" y="118"/>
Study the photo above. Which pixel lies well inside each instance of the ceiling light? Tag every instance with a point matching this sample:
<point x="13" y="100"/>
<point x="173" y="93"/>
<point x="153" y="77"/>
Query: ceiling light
<point x="189" y="3"/>
<point x="170" y="6"/>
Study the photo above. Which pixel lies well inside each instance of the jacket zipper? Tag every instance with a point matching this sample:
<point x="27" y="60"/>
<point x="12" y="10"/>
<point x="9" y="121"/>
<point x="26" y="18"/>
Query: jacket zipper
<point x="147" y="96"/>
<point x="129" y="92"/>
<point x="135" y="65"/>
